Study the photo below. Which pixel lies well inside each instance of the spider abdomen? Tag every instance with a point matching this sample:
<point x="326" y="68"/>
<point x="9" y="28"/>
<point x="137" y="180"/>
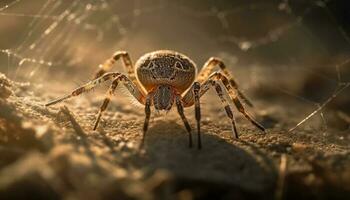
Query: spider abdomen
<point x="165" y="67"/>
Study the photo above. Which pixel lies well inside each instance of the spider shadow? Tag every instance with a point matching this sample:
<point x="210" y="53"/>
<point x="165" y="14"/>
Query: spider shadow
<point x="79" y="137"/>
<point x="238" y="164"/>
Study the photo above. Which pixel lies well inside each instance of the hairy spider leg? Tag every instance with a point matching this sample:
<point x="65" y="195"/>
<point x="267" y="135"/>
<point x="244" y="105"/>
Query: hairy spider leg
<point x="197" y="108"/>
<point x="236" y="101"/>
<point x="189" y="98"/>
<point x="147" y="117"/>
<point x="87" y="87"/>
<point x="218" y="88"/>
<point x="132" y="88"/>
<point x="107" y="65"/>
<point x="227" y="107"/>
<point x="208" y="68"/>
<point x="180" y="110"/>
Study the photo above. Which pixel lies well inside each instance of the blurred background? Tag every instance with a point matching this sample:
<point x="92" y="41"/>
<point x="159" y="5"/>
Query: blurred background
<point x="291" y="57"/>
<point x="282" y="52"/>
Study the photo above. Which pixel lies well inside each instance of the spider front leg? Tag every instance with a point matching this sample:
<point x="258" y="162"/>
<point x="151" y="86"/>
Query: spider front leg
<point x="132" y="88"/>
<point x="148" y="115"/>
<point x="180" y="110"/>
<point x="208" y="68"/>
<point x="107" y="65"/>
<point x="85" y="88"/>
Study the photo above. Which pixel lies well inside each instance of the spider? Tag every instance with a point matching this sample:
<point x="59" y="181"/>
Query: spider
<point x="164" y="78"/>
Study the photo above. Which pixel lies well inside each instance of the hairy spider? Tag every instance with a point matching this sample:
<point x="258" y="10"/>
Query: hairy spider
<point x="166" y="77"/>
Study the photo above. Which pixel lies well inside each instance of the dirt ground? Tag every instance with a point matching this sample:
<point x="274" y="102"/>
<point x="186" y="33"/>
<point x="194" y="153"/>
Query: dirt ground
<point x="53" y="153"/>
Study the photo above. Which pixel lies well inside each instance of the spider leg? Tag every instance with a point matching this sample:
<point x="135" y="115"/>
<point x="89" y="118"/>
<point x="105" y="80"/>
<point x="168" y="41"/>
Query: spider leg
<point x="180" y="110"/>
<point x="133" y="89"/>
<point x="196" y="89"/>
<point x="208" y="69"/>
<point x="218" y="88"/>
<point x="148" y="115"/>
<point x="107" y="65"/>
<point x="233" y="95"/>
<point x="189" y="98"/>
<point x="227" y="107"/>
<point x="87" y="87"/>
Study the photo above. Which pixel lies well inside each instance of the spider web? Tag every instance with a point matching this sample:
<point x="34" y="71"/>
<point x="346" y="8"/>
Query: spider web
<point x="280" y="50"/>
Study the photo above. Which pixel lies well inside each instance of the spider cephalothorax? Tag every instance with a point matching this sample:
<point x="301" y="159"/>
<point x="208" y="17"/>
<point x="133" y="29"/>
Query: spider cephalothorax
<point x="164" y="78"/>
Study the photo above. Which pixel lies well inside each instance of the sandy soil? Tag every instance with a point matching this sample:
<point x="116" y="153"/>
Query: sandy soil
<point x="53" y="153"/>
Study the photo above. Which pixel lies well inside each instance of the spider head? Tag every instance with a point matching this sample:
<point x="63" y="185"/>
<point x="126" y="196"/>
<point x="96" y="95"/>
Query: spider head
<point x="164" y="97"/>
